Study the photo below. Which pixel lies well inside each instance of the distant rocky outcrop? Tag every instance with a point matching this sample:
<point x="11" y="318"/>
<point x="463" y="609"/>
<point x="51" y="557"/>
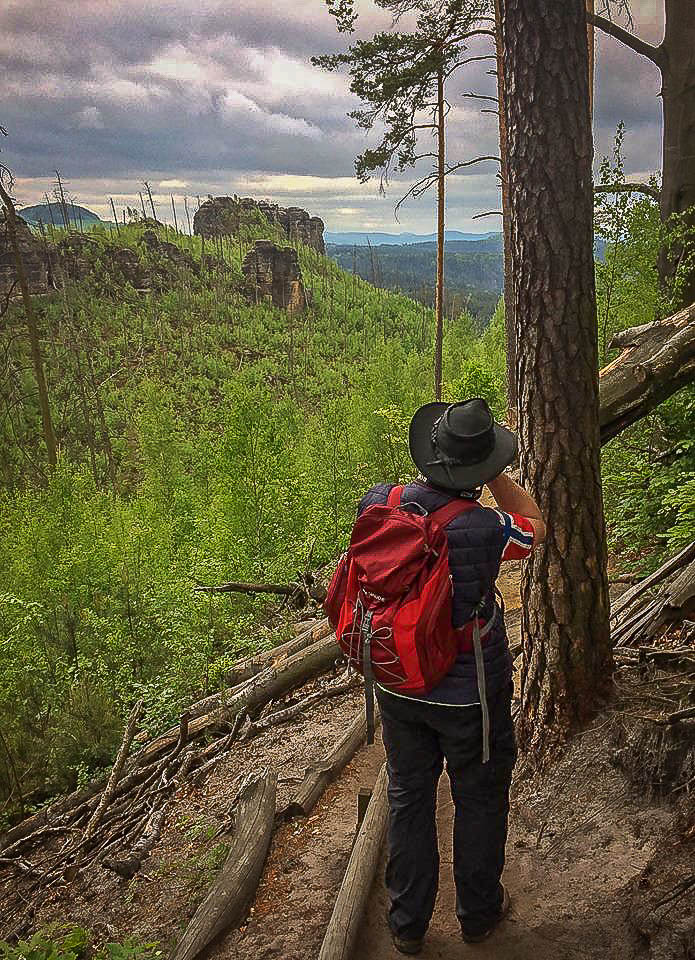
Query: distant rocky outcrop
<point x="33" y="253"/>
<point x="169" y="253"/>
<point x="223" y="216"/>
<point x="76" y="257"/>
<point x="272" y="273"/>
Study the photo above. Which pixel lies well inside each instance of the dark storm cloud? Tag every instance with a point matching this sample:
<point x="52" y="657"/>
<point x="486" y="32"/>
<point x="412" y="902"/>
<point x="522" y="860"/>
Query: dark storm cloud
<point x="123" y="88"/>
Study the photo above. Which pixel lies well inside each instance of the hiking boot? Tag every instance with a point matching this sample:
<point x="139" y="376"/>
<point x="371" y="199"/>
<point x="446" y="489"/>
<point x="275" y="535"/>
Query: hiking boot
<point x="407" y="946"/>
<point x="504" y="910"/>
<point x="401" y="944"/>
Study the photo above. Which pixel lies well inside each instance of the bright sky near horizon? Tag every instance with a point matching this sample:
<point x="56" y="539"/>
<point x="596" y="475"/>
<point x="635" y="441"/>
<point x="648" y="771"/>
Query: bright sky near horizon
<point x="219" y="97"/>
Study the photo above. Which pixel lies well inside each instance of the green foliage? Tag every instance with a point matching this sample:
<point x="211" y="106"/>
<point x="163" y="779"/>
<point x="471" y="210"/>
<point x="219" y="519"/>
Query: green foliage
<point x="394" y="74"/>
<point x="201" y="439"/>
<point x="627" y="289"/>
<point x="60" y="943"/>
<point x="648" y="470"/>
<point x="473" y="271"/>
<point x="206" y="439"/>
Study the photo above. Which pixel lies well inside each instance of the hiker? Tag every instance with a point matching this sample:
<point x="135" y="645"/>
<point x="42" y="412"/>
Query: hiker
<point x="466" y="718"/>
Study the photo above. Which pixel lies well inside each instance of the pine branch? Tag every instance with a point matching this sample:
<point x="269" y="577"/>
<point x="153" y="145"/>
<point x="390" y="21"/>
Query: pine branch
<point x="630" y="187"/>
<point x="655" y="54"/>
<point x="469" y="163"/>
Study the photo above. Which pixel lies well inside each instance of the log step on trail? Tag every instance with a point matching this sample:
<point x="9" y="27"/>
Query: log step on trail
<point x="348" y="911"/>
<point x="318" y="775"/>
<point x="235" y="885"/>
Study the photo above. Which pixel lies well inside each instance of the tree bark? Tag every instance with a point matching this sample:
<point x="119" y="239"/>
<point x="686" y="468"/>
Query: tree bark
<point x="509" y="324"/>
<point x="439" y="298"/>
<point x="567" y="651"/>
<point x="32" y="326"/>
<point x="678" y="176"/>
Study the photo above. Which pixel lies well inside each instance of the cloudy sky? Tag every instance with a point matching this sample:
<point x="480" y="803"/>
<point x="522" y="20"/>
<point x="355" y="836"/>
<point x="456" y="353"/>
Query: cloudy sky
<point x="218" y="96"/>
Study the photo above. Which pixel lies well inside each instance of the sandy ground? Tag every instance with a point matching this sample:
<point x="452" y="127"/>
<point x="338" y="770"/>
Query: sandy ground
<point x="588" y="859"/>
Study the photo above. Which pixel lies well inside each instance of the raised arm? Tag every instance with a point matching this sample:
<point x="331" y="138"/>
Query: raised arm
<point x="512" y="498"/>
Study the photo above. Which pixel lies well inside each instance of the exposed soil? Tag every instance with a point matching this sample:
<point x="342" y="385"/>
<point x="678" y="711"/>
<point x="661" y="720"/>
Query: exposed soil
<point x="597" y="864"/>
<point x="582" y="845"/>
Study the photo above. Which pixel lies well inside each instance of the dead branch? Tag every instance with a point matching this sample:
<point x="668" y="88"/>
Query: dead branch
<point x="629" y="187"/>
<point x="116" y="771"/>
<point x="281" y="589"/>
<point x="655" y="54"/>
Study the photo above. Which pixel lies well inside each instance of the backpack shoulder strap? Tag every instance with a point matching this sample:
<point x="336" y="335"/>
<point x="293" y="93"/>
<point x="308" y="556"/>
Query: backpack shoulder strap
<point x="444" y="515"/>
<point x="394" y="497"/>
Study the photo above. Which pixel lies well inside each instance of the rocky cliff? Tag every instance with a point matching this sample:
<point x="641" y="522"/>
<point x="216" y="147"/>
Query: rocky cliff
<point x="272" y="273"/>
<point x="77" y="257"/>
<point x="223" y="216"/>
<point x="33" y="253"/>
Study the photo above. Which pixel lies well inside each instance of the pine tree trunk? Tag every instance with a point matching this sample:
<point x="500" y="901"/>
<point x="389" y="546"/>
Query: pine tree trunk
<point x="439" y="301"/>
<point x="590" y="39"/>
<point x="678" y="177"/>
<point x="567" y="653"/>
<point x="509" y="325"/>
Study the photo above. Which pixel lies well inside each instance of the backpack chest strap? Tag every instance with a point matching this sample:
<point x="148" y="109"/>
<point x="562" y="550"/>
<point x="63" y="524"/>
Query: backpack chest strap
<point x="442" y="516"/>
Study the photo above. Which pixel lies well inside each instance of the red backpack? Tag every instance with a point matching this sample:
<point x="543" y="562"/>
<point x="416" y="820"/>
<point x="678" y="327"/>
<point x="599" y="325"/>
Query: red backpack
<point x="390" y="597"/>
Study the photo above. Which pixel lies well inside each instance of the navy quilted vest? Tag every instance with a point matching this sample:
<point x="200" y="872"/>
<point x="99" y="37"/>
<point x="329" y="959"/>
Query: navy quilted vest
<point x="476" y="540"/>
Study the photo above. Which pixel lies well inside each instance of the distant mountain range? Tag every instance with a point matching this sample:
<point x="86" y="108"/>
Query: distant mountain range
<point x="363" y="238"/>
<point x="53" y="213"/>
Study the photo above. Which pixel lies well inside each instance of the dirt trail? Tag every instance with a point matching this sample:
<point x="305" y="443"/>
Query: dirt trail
<point x="576" y="843"/>
<point x="586" y="853"/>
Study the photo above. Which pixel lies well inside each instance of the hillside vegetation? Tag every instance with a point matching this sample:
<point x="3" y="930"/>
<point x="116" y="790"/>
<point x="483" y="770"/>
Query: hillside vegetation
<point x="473" y="271"/>
<point x="201" y="438"/>
<point x="206" y="439"/>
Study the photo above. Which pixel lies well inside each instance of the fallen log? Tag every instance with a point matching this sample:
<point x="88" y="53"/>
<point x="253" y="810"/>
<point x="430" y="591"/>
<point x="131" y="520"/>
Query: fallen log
<point x="319" y="774"/>
<point x="252" y="665"/>
<point x="657" y="360"/>
<point x="236" y="883"/>
<point x="348" y="911"/>
<point x="146" y="766"/>
<point x="289" y="713"/>
<point x="269" y="684"/>
<point x="674" y="601"/>
<point x="631" y="655"/>
<point x="665" y="570"/>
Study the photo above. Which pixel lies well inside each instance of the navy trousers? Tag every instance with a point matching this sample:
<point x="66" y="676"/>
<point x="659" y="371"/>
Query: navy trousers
<point x="418" y="738"/>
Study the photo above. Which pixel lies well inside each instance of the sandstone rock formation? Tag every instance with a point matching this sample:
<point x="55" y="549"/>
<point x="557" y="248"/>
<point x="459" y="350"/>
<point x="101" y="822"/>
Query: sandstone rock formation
<point x="223" y="216"/>
<point x="273" y="273"/>
<point x="33" y="253"/>
<point x="169" y="253"/>
<point x="76" y="257"/>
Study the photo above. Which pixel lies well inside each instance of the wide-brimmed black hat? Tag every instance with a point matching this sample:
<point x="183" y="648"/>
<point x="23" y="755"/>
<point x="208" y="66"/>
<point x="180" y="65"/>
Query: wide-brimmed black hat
<point x="459" y="446"/>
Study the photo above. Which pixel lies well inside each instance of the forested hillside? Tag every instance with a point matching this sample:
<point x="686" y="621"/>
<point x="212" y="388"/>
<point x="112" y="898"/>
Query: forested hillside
<point x="473" y="271"/>
<point x="204" y="439"/>
<point x="201" y="438"/>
